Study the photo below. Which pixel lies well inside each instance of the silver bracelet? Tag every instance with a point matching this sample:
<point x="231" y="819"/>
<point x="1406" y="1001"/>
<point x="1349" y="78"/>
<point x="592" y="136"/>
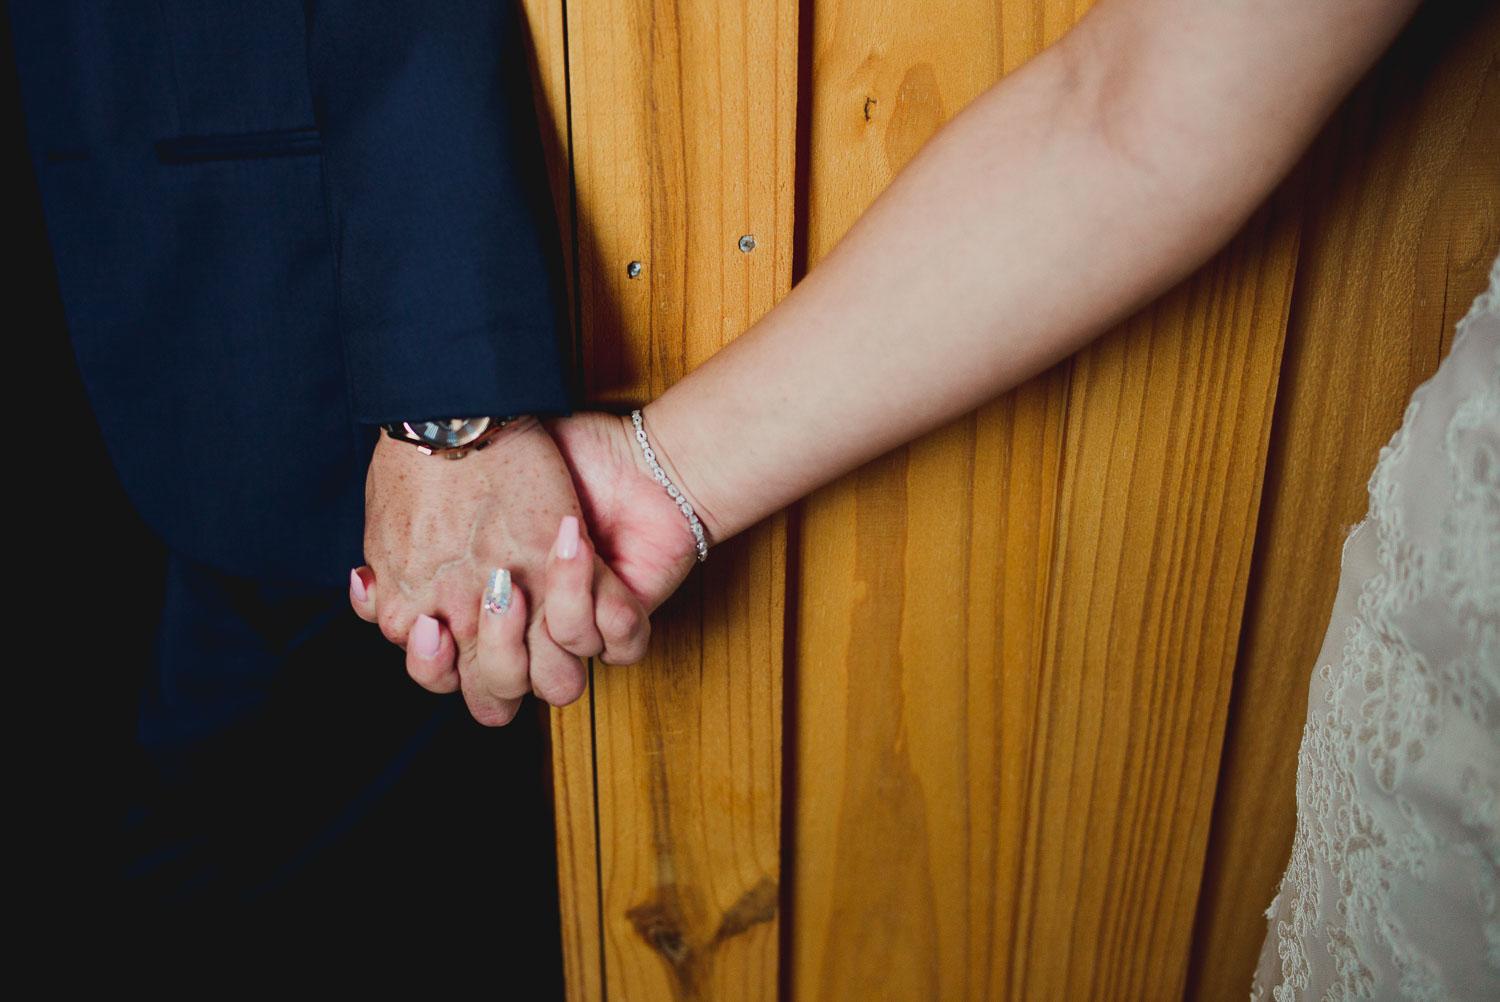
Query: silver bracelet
<point x="696" y="527"/>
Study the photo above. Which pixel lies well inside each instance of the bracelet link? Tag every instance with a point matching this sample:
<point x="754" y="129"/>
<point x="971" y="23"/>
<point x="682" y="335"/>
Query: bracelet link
<point x="700" y="544"/>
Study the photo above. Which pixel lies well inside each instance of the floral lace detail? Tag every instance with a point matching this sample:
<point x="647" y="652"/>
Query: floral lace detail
<point x="1394" y="877"/>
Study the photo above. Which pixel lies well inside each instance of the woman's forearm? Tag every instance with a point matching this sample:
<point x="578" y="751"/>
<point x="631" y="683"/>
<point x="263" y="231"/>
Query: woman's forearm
<point x="1064" y="197"/>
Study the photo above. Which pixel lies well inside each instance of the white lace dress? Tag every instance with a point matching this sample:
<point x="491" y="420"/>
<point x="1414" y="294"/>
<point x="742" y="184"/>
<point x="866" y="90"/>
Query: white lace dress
<point x="1395" y="871"/>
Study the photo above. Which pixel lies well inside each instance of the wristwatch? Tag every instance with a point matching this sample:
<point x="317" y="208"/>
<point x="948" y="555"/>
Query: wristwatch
<point x="451" y="438"/>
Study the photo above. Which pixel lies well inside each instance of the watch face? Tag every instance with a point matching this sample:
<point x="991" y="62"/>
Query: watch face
<point x="450" y="433"/>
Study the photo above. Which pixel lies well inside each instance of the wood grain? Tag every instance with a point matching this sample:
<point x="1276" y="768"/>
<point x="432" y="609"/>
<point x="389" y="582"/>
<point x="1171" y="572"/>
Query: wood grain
<point x="571" y="729"/>
<point x="689" y="789"/>
<point x="573" y="787"/>
<point x="1168" y="421"/>
<point x="877" y="685"/>
<point x="1403" y="221"/>
<point x="1013" y="642"/>
<point x="683" y="125"/>
<point x="1014" y="639"/>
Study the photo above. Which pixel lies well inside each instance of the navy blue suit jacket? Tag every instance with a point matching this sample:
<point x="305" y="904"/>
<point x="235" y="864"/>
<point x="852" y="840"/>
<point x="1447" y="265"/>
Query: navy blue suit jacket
<point x="276" y="224"/>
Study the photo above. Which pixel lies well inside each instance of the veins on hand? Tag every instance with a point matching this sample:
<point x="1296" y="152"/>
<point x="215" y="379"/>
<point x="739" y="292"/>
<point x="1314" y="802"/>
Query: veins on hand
<point x="466" y="559"/>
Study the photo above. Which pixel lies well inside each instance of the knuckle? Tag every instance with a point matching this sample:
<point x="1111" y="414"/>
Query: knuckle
<point x="586" y="646"/>
<point x="393" y="620"/>
<point x="628" y="653"/>
<point x="619" y="620"/>
<point x="571" y="635"/>
<point x="513" y="690"/>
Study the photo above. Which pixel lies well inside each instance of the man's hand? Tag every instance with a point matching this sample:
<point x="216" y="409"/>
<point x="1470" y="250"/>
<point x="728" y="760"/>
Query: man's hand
<point x="435" y="530"/>
<point x="642" y="538"/>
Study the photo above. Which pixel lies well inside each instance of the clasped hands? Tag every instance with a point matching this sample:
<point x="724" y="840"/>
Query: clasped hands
<point x="592" y="544"/>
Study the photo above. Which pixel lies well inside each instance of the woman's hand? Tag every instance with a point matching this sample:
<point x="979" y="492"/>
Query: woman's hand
<point x="594" y="603"/>
<point x="436" y="530"/>
<point x="638" y="530"/>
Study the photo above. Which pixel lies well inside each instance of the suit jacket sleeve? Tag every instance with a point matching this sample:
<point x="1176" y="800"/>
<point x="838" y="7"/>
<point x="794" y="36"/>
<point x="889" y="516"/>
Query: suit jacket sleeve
<point x="439" y="211"/>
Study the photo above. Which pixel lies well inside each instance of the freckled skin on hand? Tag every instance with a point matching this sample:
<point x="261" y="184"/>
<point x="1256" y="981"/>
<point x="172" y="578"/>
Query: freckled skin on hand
<point x="437" y="527"/>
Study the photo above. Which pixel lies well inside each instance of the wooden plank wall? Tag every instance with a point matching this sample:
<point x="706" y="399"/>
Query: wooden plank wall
<point x="683" y="118"/>
<point x="1010" y="647"/>
<point x="1402" y="222"/>
<point x="1014" y="650"/>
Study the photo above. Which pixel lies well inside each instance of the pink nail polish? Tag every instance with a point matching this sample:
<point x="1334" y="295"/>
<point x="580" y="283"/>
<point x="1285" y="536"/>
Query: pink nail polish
<point x="567" y="538"/>
<point x="357" y="587"/>
<point x="426" y="638"/>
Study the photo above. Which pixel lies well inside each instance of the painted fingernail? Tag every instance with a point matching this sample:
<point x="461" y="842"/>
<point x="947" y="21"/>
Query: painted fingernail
<point x="357" y="587"/>
<point x="426" y="638"/>
<point x="567" y="538"/>
<point x="497" y="594"/>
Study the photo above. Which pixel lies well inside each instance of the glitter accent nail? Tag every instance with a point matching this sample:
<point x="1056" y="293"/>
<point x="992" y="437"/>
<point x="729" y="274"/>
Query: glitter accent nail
<point x="497" y="595"/>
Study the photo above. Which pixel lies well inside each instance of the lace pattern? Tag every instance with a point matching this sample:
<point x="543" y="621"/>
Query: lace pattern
<point x="1392" y="886"/>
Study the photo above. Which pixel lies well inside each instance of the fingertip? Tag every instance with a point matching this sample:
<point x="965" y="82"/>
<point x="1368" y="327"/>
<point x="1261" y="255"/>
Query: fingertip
<point x="362" y="593"/>
<point x="429" y="655"/>
<point x="568" y="608"/>
<point x="502" y="608"/>
<point x="499" y="667"/>
<point x="500" y="593"/>
<point x="486" y="707"/>
<point x="557" y="677"/>
<point x="426" y="637"/>
<point x="568" y="535"/>
<point x="496" y="713"/>
<point x="560" y="692"/>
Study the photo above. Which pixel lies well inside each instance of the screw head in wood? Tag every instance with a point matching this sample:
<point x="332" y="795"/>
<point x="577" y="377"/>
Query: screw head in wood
<point x="747" y="243"/>
<point x="633" y="269"/>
